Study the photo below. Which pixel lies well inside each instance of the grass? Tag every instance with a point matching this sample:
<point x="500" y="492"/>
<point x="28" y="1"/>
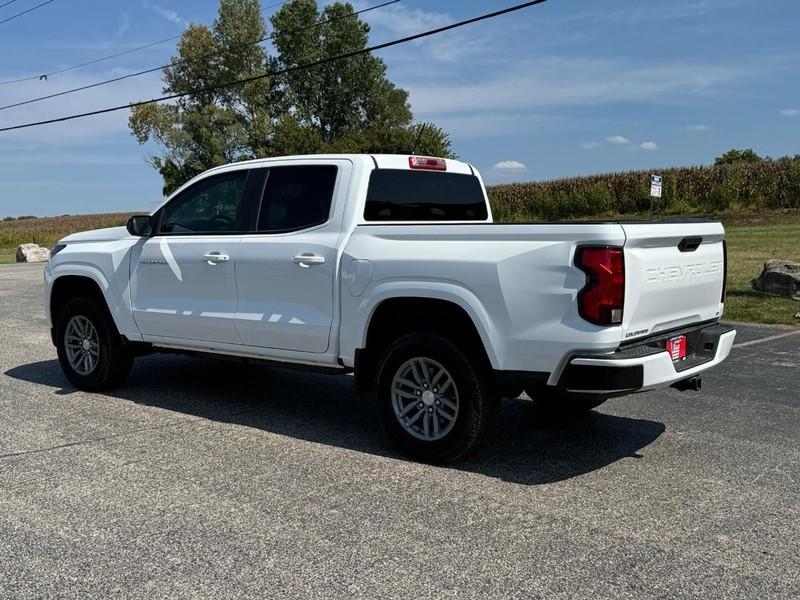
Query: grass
<point x="749" y="247"/>
<point x="753" y="238"/>
<point x="8" y="255"/>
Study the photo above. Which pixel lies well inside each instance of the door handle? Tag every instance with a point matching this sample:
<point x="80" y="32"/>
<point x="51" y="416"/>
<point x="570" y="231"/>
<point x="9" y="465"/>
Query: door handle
<point x="306" y="260"/>
<point x="213" y="258"/>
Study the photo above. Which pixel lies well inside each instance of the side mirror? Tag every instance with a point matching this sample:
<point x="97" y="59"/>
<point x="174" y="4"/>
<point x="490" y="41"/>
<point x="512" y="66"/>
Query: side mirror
<point x="140" y="225"/>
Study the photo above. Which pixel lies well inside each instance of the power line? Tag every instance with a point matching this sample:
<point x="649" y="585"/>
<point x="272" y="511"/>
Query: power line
<point x="109" y="57"/>
<point x="316" y="63"/>
<point x="7" y="3"/>
<point x="199" y="58"/>
<point x="90" y="62"/>
<point x="273" y="5"/>
<point x="24" y="12"/>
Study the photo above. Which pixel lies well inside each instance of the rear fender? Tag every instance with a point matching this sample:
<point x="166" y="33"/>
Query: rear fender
<point x="355" y="337"/>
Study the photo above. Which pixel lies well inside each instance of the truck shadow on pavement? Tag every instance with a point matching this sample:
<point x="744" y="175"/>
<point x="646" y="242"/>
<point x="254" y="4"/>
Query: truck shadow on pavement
<point x="531" y="448"/>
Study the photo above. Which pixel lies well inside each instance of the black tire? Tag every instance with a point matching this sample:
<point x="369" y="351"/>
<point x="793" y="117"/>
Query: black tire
<point x="478" y="403"/>
<point x="114" y="360"/>
<point x="559" y="404"/>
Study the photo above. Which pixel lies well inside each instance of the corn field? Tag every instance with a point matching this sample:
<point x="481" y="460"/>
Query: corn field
<point x="771" y="184"/>
<point x="45" y="231"/>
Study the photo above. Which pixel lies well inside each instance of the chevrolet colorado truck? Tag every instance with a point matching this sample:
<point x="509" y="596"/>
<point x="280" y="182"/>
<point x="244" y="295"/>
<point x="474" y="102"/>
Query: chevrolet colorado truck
<point x="390" y="268"/>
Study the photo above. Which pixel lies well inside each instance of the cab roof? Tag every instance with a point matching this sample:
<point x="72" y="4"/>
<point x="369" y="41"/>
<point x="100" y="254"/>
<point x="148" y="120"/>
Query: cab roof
<point x="380" y="161"/>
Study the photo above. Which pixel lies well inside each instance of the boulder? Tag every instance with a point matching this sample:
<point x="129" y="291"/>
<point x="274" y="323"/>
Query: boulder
<point x="779" y="277"/>
<point x="32" y="253"/>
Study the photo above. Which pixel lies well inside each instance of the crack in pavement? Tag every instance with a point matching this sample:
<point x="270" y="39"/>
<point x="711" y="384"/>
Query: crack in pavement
<point x="210" y="418"/>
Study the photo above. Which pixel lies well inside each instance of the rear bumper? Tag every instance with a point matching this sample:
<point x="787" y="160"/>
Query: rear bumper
<point x="646" y="365"/>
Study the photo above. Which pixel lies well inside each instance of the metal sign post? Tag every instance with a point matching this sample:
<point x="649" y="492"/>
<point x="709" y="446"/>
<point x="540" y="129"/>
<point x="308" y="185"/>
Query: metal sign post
<point x="655" y="191"/>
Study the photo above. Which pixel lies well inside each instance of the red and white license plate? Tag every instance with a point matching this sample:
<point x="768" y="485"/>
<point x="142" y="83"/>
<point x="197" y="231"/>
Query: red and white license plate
<point x="677" y="347"/>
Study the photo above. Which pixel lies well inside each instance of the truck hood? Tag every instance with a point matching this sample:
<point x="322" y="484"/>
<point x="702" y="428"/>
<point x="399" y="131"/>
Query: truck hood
<point x="107" y="234"/>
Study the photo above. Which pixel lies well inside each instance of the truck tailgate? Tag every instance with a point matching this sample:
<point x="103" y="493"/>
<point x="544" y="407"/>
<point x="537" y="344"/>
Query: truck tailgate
<point x="674" y="275"/>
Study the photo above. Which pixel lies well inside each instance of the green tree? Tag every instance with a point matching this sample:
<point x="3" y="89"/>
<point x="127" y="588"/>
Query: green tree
<point x="738" y="156"/>
<point x="344" y="106"/>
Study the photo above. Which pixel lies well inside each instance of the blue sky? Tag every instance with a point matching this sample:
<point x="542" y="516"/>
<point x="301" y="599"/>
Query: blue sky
<point x="565" y="88"/>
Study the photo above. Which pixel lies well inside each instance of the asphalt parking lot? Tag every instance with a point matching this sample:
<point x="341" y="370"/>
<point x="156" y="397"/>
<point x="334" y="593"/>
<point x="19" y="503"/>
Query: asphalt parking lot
<point x="216" y="480"/>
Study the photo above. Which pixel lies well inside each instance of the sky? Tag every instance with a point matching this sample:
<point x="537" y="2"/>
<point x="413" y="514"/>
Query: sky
<point x="569" y="87"/>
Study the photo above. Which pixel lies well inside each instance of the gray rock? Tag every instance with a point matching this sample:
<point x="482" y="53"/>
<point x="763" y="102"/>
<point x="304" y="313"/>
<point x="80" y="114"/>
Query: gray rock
<point x="32" y="253"/>
<point x="779" y="277"/>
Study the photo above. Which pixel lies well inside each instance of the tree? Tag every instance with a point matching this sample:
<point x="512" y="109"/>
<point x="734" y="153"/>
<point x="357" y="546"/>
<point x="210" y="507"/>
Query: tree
<point x="343" y="106"/>
<point x="738" y="156"/>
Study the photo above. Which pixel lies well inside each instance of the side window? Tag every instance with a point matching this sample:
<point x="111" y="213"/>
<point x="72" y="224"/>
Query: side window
<point x="213" y="205"/>
<point x="297" y="197"/>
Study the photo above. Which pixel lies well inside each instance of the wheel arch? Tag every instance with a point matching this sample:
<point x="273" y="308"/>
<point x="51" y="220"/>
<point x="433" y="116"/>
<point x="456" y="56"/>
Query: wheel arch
<point x="69" y="286"/>
<point x="394" y="316"/>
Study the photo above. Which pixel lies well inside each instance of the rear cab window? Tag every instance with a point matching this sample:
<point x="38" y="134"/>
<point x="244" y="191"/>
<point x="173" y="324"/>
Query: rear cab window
<point x="409" y="195"/>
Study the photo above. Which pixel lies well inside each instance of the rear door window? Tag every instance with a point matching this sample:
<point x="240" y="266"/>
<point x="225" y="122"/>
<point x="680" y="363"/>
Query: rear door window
<point x="401" y="195"/>
<point x="296" y="198"/>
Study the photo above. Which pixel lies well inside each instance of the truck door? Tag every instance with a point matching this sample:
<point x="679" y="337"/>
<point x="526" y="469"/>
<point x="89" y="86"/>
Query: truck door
<point x="286" y="271"/>
<point x="183" y="281"/>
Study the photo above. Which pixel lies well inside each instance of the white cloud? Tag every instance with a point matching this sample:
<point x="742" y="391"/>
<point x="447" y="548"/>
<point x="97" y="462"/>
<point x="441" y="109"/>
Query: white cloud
<point x="124" y="25"/>
<point x="634" y="16"/>
<point x="560" y="82"/>
<point x="399" y="21"/>
<point x="618" y="139"/>
<point x="496" y="124"/>
<point x="170" y="15"/>
<point x="479" y="93"/>
<point x="648" y="146"/>
<point x="404" y="20"/>
<point x="790" y="112"/>
<point x="69" y="156"/>
<point x="590" y="145"/>
<point x="697" y="127"/>
<point x="510" y="165"/>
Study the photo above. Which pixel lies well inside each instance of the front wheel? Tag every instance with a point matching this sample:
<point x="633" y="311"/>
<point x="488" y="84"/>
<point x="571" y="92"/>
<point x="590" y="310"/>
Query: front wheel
<point x="434" y="402"/>
<point x="90" y="351"/>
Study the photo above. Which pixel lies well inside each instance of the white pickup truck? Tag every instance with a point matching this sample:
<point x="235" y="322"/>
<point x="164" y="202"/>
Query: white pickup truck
<point x="390" y="267"/>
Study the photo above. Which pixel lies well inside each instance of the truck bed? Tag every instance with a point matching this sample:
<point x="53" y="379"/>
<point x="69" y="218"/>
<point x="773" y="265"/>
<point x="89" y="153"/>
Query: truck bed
<point x="520" y="283"/>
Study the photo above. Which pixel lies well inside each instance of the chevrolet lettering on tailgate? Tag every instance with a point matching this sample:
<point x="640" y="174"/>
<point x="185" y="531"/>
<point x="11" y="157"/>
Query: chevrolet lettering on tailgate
<point x="678" y="272"/>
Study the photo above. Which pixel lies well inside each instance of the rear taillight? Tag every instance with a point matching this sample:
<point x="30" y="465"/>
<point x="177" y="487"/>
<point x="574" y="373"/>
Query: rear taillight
<point x="426" y="163"/>
<point x="602" y="299"/>
<point x="724" y="270"/>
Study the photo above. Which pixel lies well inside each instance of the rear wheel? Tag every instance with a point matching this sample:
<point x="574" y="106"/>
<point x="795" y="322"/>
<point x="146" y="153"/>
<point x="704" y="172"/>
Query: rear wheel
<point x="90" y="350"/>
<point x="559" y="403"/>
<point x="434" y="402"/>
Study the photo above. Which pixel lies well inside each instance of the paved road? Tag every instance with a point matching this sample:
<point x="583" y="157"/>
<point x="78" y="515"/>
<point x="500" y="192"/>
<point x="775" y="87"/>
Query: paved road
<point x="204" y="479"/>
